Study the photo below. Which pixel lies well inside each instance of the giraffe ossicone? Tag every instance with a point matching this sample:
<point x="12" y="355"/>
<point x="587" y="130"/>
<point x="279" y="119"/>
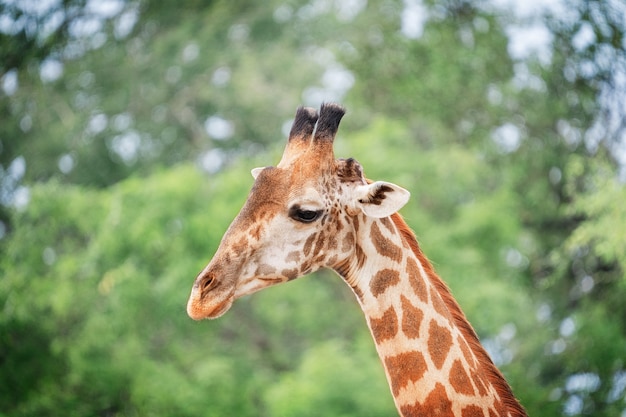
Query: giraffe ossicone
<point x="313" y="211"/>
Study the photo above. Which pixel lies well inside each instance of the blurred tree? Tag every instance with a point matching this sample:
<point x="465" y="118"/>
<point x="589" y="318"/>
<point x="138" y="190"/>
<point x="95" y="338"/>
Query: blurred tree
<point x="542" y="122"/>
<point x="515" y="163"/>
<point x="577" y="267"/>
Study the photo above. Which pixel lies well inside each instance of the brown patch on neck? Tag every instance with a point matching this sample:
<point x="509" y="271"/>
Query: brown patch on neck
<point x="388" y="224"/>
<point x="411" y="318"/>
<point x="460" y="380"/>
<point x="439" y="343"/>
<point x="384" y="279"/>
<point x="436" y="404"/>
<point x="404" y="368"/>
<point x="415" y="279"/>
<point x="472" y="411"/>
<point x="439" y="305"/>
<point x="384" y="246"/>
<point x="489" y="370"/>
<point x="385" y="327"/>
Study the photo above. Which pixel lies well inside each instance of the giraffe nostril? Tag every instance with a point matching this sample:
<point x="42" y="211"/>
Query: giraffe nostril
<point x="207" y="283"/>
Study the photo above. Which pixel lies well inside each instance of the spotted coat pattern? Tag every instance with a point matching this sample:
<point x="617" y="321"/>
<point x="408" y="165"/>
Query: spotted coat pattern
<point x="314" y="211"/>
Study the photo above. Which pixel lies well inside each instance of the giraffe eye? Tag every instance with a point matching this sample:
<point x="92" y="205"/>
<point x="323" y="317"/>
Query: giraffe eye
<point x="303" y="215"/>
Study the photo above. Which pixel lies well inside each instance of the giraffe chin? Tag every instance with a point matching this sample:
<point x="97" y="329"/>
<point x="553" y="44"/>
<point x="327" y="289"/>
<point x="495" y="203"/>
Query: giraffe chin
<point x="198" y="310"/>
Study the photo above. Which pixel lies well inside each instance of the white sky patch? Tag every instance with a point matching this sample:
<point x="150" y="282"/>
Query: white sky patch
<point x="221" y="76"/>
<point x="50" y="70"/>
<point x="584" y="37"/>
<point x="85" y="27"/>
<point x="498" y="347"/>
<point x="219" y="128"/>
<point x="587" y="284"/>
<point x="618" y="387"/>
<point x="530" y="8"/>
<point x="571" y="134"/>
<point x="125" y="23"/>
<point x="173" y="74"/>
<point x="26" y="123"/>
<point x="43" y="17"/>
<point x="335" y="82"/>
<point x="524" y="78"/>
<point x="39" y="8"/>
<point x="10" y="82"/>
<point x="544" y="313"/>
<point x="66" y="163"/>
<point x="527" y="41"/>
<point x="105" y="8"/>
<point x="97" y="123"/>
<point x="507" y="137"/>
<point x="191" y="52"/>
<point x="126" y="146"/>
<point x="21" y="198"/>
<point x="212" y="160"/>
<point x="122" y="121"/>
<point x="529" y="36"/>
<point x="347" y="10"/>
<point x="283" y="13"/>
<point x="286" y="127"/>
<point x="314" y="96"/>
<point x="594" y="135"/>
<point x="238" y="32"/>
<point x="7" y="25"/>
<point x="314" y="9"/>
<point x="17" y="168"/>
<point x="338" y="79"/>
<point x="573" y="406"/>
<point x="582" y="382"/>
<point x="567" y="327"/>
<point x="49" y="256"/>
<point x="52" y="23"/>
<point x="494" y="95"/>
<point x="414" y="17"/>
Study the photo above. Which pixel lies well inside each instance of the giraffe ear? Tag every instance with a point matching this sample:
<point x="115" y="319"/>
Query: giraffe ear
<point x="256" y="171"/>
<point x="381" y="199"/>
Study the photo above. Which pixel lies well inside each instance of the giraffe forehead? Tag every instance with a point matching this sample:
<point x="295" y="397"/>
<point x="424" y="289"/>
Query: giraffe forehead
<point x="277" y="188"/>
<point x="271" y="187"/>
<point x="310" y="181"/>
<point x="302" y="181"/>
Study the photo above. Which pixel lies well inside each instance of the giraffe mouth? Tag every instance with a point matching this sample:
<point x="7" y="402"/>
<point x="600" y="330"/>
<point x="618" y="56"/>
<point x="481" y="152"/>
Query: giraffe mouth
<point x="199" y="310"/>
<point x="256" y="284"/>
<point x="200" y="306"/>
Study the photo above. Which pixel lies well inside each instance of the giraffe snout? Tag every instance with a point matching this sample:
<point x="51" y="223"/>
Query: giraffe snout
<point x="208" y="299"/>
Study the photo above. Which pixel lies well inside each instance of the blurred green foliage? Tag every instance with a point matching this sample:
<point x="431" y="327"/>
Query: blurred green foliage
<point x="127" y="133"/>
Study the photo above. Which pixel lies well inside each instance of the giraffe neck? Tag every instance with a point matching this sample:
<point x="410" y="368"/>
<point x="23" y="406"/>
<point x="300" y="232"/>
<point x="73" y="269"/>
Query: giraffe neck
<point x="432" y="357"/>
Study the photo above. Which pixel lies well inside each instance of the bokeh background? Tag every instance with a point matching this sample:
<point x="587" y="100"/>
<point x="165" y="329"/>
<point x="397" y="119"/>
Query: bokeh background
<point x="127" y="132"/>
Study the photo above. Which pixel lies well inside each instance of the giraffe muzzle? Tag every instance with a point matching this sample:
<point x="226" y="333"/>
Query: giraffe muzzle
<point x="208" y="298"/>
<point x="199" y="307"/>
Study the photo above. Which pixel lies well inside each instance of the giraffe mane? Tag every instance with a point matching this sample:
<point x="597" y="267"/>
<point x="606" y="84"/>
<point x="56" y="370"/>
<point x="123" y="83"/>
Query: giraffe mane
<point x="491" y="371"/>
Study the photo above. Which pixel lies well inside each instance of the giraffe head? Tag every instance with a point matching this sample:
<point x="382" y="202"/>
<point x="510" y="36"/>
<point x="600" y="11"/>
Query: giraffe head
<point x="300" y="216"/>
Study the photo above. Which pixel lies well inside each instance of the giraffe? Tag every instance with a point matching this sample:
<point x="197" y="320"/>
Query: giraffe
<point x="313" y="211"/>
